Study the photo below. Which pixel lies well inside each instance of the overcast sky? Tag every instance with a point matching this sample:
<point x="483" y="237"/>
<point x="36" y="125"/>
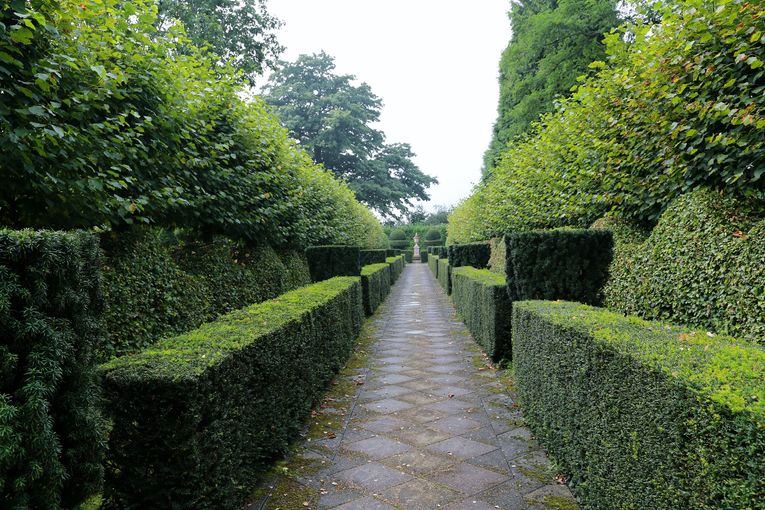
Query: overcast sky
<point x="434" y="63"/>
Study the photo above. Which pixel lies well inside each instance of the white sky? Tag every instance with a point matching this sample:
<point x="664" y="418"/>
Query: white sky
<point x="434" y="63"/>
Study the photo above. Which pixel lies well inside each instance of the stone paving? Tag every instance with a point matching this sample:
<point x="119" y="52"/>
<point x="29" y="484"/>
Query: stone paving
<point x="428" y="426"/>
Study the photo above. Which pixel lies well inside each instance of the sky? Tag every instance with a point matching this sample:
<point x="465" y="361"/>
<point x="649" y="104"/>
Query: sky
<point x="434" y="63"/>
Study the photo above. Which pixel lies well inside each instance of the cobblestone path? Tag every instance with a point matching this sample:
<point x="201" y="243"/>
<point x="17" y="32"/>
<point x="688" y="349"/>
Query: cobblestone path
<point x="430" y="427"/>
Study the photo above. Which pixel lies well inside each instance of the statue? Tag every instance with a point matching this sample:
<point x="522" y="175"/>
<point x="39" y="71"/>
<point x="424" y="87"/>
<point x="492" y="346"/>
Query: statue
<point x="416" y="255"/>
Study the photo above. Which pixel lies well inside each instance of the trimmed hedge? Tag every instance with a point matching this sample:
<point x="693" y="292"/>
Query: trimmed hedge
<point x="424" y="256"/>
<point x="444" y="275"/>
<point x="433" y="265"/>
<point x="433" y="237"/>
<point x="197" y="416"/>
<point x="398" y="240"/>
<point x="473" y="254"/>
<point x="372" y="257"/>
<point x="558" y="264"/>
<point x="325" y="262"/>
<point x="498" y="255"/>
<point x="396" y="267"/>
<point x="703" y="265"/>
<point x="408" y="255"/>
<point x="390" y="252"/>
<point x="480" y="297"/>
<point x="642" y="414"/>
<point x="375" y="284"/>
<point x="51" y="430"/>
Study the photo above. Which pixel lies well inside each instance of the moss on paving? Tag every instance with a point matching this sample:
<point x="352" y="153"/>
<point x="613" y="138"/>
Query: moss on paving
<point x="560" y="503"/>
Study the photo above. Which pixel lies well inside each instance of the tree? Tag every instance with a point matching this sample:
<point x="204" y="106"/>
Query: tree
<point x="553" y="43"/>
<point x="239" y="32"/>
<point x="331" y="117"/>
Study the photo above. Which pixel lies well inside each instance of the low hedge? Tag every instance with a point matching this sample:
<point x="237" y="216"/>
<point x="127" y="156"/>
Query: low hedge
<point x="51" y="431"/>
<point x="480" y="297"/>
<point x="197" y="416"/>
<point x="424" y="257"/>
<point x="641" y="414"/>
<point x="473" y="254"/>
<point x="325" y="262"/>
<point x="408" y="255"/>
<point x="375" y="284"/>
<point x="570" y="264"/>
<point x="372" y="257"/>
<point x="396" y="267"/>
<point x="433" y="265"/>
<point x="445" y="275"/>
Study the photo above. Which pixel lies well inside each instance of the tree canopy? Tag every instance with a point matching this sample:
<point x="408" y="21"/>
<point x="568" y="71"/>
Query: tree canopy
<point x="331" y="117"/>
<point x="553" y="43"/>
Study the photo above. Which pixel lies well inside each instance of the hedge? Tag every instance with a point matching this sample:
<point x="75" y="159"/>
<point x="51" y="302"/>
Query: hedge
<point x="703" y="265"/>
<point x="398" y="239"/>
<point x="480" y="297"/>
<point x="433" y="237"/>
<point x="197" y="416"/>
<point x="424" y="256"/>
<point x="396" y="267"/>
<point x="372" y="257"/>
<point x="641" y="414"/>
<point x="326" y="262"/>
<point x="375" y="284"/>
<point x="390" y="252"/>
<point x="50" y="426"/>
<point x="408" y="255"/>
<point x="498" y="255"/>
<point x="433" y="265"/>
<point x="445" y="275"/>
<point x="472" y="254"/>
<point x="558" y="264"/>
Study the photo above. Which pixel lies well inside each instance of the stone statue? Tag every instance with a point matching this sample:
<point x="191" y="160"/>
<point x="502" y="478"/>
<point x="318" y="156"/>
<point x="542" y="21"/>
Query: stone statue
<point x="416" y="255"/>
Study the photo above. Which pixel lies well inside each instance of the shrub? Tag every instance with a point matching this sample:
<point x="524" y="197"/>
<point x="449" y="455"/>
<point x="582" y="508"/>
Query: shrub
<point x="50" y="425"/>
<point x="196" y="416"/>
<point x="409" y="255"/>
<point x="433" y="237"/>
<point x="480" y="297"/>
<point x="375" y="284"/>
<point x="498" y="255"/>
<point x="296" y="269"/>
<point x="474" y="254"/>
<point x="424" y="257"/>
<point x="558" y="264"/>
<point x="433" y="265"/>
<point x="642" y="414"/>
<point x="326" y="262"/>
<point x="444" y="275"/>
<point x="398" y="239"/>
<point x="703" y="266"/>
<point x="396" y="267"/>
<point x="372" y="257"/>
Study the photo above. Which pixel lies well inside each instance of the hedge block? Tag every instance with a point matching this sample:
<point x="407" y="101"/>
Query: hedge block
<point x="325" y="262"/>
<point x="375" y="282"/>
<point x="408" y="255"/>
<point x="445" y="275"/>
<point x="198" y="416"/>
<point x="424" y="257"/>
<point x="390" y="253"/>
<point x="473" y="254"/>
<point x="433" y="265"/>
<point x="372" y="257"/>
<point x="396" y="267"/>
<point x="563" y="264"/>
<point x="51" y="431"/>
<point x="480" y="297"/>
<point x="641" y="414"/>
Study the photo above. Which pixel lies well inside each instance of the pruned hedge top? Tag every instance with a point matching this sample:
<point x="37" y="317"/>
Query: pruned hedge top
<point x="728" y="371"/>
<point x="373" y="268"/>
<point x="481" y="275"/>
<point x="188" y="355"/>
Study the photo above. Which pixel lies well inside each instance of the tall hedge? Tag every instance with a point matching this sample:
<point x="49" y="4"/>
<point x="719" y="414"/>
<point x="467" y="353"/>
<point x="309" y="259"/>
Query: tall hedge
<point x="476" y="255"/>
<point x="433" y="265"/>
<point x="197" y="416"/>
<point x="375" y="284"/>
<point x="641" y="414"/>
<point x="480" y="297"/>
<point x="372" y="257"/>
<point x="51" y="431"/>
<point x="396" y="267"/>
<point x="444" y="275"/>
<point x="558" y="264"/>
<point x="326" y="262"/>
<point x="703" y="265"/>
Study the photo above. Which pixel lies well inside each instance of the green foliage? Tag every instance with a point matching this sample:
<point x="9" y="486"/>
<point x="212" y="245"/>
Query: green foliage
<point x="433" y="237"/>
<point x="424" y="256"/>
<point x="375" y="284"/>
<point x="498" y="255"/>
<point x="239" y="33"/>
<point x="474" y="254"/>
<point x="411" y="229"/>
<point x="325" y="262"/>
<point x="433" y="264"/>
<point x="480" y="297"/>
<point x="553" y="44"/>
<point x="642" y="414"/>
<point x="396" y="267"/>
<point x="50" y="424"/>
<point x="107" y="121"/>
<point x="677" y="106"/>
<point x="409" y="255"/>
<point x="197" y="416"/>
<point x="158" y="283"/>
<point x="398" y="239"/>
<point x="703" y="266"/>
<point x="372" y="257"/>
<point x="331" y="118"/>
<point x="444" y="274"/>
<point x="558" y="264"/>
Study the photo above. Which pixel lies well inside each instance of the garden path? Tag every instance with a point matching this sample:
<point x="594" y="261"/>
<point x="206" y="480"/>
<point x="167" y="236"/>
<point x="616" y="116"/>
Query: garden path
<point x="430" y="427"/>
